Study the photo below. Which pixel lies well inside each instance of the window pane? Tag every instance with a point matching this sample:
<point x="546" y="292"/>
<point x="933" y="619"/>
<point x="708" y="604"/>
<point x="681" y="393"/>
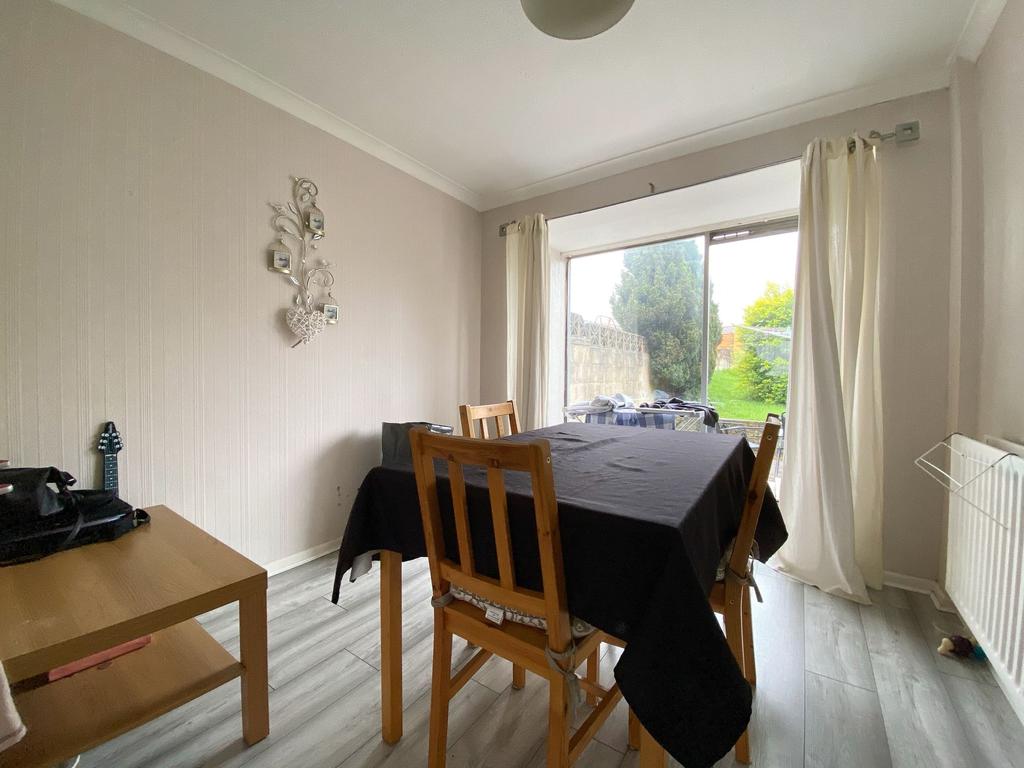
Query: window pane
<point x="752" y="286"/>
<point x="636" y="320"/>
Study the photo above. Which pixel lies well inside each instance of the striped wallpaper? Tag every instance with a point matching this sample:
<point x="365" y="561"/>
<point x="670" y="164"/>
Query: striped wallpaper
<point x="133" y="287"/>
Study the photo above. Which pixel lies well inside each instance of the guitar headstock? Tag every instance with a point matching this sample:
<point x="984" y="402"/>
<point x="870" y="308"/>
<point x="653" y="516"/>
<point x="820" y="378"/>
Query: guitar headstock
<point x="110" y="443"/>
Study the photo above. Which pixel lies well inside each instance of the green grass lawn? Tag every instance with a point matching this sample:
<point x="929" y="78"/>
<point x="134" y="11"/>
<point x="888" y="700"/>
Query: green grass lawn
<point x="725" y="391"/>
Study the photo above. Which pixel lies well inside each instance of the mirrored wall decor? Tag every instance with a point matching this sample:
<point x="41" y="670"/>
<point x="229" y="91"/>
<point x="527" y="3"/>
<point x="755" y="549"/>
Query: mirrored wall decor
<point x="300" y="227"/>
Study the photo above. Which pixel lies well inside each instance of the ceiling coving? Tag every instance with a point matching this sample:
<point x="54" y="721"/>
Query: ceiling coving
<point x="469" y="97"/>
<point x="575" y="19"/>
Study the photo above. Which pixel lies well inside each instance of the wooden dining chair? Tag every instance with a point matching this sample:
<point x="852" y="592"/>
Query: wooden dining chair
<point x="482" y="413"/>
<point x="546" y="646"/>
<point x="499" y="412"/>
<point x="731" y="597"/>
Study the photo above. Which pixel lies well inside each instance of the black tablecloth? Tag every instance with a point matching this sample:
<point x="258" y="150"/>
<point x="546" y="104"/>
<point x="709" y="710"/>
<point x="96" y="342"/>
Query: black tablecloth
<point x="645" y="516"/>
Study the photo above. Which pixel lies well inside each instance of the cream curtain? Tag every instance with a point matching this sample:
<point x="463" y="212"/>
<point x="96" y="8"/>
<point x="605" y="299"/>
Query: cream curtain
<point x="528" y="271"/>
<point x="832" y="483"/>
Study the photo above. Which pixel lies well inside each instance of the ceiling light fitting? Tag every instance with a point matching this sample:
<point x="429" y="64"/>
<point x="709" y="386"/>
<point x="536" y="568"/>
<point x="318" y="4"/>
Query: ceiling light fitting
<point x="575" y="19"/>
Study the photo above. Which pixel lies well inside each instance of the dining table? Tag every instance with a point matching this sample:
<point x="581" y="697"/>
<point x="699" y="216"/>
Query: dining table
<point x="645" y="517"/>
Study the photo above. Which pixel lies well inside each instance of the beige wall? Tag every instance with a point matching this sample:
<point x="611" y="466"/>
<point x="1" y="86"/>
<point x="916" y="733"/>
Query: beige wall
<point x="133" y="287"/>
<point x="965" y="252"/>
<point x="986" y="300"/>
<point x="916" y="232"/>
<point x="1000" y="105"/>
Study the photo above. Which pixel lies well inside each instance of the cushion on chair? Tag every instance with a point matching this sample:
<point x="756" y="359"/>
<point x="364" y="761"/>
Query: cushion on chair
<point x="579" y="627"/>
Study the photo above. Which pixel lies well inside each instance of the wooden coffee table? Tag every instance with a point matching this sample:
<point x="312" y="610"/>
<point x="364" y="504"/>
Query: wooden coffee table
<point x="154" y="580"/>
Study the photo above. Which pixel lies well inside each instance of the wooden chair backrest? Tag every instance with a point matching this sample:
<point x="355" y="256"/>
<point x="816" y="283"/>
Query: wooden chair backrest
<point x="755" y="494"/>
<point x="534" y="458"/>
<point x="481" y="413"/>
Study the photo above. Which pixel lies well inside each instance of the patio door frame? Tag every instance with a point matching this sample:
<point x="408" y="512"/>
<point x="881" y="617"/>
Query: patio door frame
<point x="713" y="236"/>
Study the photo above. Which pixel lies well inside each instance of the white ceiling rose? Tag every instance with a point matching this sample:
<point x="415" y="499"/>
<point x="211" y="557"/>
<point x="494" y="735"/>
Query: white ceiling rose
<point x="575" y="19"/>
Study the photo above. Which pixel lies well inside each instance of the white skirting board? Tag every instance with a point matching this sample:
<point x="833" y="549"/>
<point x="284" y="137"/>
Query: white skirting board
<point x="300" y="558"/>
<point x="924" y="586"/>
<point x="892" y="579"/>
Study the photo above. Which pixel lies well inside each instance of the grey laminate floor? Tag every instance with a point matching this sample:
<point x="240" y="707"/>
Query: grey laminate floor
<point x="839" y="685"/>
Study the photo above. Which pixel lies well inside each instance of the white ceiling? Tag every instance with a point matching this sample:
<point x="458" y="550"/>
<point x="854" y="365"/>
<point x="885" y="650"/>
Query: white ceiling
<point x="761" y="195"/>
<point x="468" y="96"/>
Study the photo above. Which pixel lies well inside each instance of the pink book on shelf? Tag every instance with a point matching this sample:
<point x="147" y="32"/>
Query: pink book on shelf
<point x="71" y="668"/>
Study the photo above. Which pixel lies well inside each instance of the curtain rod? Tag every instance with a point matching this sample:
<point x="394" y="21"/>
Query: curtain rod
<point x="902" y="133"/>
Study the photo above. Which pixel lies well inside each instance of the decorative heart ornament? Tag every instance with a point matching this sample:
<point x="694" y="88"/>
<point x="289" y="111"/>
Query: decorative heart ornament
<point x="305" y="324"/>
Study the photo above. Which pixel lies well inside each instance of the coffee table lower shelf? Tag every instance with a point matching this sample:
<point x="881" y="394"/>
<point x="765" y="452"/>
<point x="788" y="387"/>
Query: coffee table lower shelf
<point x="72" y="715"/>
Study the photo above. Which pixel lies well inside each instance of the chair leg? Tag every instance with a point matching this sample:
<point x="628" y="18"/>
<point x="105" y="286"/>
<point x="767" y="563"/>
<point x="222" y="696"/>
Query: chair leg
<point x="633" y="734"/>
<point x="735" y="638"/>
<point x="743" y="749"/>
<point x="652" y="754"/>
<point x="734" y="627"/>
<point x="593" y="673"/>
<point x="439" y="696"/>
<point x="558" y="724"/>
<point x="518" y="677"/>
<point x="749" y="666"/>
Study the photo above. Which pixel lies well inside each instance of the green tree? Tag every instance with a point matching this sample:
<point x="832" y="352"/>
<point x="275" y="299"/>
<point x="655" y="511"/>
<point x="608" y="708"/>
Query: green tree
<point x="763" y="361"/>
<point x="660" y="296"/>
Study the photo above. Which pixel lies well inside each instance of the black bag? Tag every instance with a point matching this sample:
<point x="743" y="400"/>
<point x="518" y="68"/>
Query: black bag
<point x="32" y="496"/>
<point x="394" y="440"/>
<point x="35" y="521"/>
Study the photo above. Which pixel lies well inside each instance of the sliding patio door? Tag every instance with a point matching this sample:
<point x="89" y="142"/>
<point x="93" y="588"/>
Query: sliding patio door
<point x="637" y="322"/>
<point x="751" y="279"/>
<point x="751" y="274"/>
<point x="707" y="318"/>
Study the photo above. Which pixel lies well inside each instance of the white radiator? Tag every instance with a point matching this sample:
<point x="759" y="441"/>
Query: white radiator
<point x="985" y="556"/>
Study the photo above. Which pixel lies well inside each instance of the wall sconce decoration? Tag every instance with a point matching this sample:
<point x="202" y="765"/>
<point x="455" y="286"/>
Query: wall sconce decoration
<point x="281" y="259"/>
<point x="301" y="225"/>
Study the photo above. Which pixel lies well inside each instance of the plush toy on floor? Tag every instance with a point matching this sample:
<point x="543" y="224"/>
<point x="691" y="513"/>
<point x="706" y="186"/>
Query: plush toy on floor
<point x="962" y="647"/>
